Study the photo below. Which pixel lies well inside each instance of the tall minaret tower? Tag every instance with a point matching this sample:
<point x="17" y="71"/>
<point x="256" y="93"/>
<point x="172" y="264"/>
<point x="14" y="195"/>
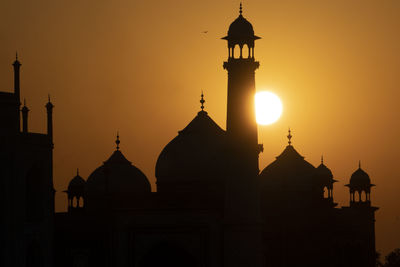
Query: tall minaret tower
<point x="241" y="123"/>
<point x="242" y="233"/>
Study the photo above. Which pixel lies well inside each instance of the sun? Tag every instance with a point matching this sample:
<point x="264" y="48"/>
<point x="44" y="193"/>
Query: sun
<point x="268" y="107"/>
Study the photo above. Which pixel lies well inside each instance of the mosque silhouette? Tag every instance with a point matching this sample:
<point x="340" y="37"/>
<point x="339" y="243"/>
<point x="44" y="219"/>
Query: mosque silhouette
<point x="213" y="207"/>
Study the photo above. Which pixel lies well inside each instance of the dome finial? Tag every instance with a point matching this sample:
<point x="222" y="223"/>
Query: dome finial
<point x="322" y="159"/>
<point x="359" y="164"/>
<point x="289" y="136"/>
<point x="202" y="101"/>
<point x="16" y="55"/>
<point x="117" y="141"/>
<point x="240" y="9"/>
<point x="77" y="171"/>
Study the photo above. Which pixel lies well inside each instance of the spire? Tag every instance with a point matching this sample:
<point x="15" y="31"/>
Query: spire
<point x="49" y="107"/>
<point x="16" y="66"/>
<point x="202" y="101"/>
<point x="25" y="107"/>
<point x="77" y="171"/>
<point x="359" y="164"/>
<point x="322" y="159"/>
<point x="16" y="62"/>
<point x="240" y="9"/>
<point x="117" y="141"/>
<point x="289" y="136"/>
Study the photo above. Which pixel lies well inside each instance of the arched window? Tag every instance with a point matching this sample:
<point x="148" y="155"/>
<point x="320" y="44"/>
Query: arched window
<point x="246" y="51"/>
<point x="34" y="194"/>
<point x="81" y="202"/>
<point x="363" y="196"/>
<point x="326" y="192"/>
<point x="236" y="51"/>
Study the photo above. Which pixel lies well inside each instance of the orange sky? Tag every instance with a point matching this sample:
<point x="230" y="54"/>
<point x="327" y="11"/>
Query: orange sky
<point x="139" y="67"/>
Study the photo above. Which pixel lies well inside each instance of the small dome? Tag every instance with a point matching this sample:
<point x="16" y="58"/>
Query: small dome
<point x="241" y="31"/>
<point x="76" y="185"/>
<point x="196" y="154"/>
<point x="289" y="168"/>
<point x="241" y="27"/>
<point x="360" y="178"/>
<point x="324" y="175"/>
<point x="117" y="175"/>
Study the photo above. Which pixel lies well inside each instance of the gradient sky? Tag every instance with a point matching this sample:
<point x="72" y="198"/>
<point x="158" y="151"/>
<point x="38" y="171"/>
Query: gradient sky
<point x="139" y="67"/>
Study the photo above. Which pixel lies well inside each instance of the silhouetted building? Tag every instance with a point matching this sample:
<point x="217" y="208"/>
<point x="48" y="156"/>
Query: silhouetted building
<point x="26" y="184"/>
<point x="213" y="207"/>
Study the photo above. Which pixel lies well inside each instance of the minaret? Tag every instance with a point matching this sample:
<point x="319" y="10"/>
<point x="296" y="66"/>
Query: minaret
<point x="17" y="66"/>
<point x="241" y="123"/>
<point x="24" y="111"/>
<point x="49" y="107"/>
<point x="242" y="233"/>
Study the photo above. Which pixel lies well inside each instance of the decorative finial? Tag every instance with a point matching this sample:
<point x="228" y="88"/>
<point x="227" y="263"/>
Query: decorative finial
<point x="77" y="171"/>
<point x="289" y="137"/>
<point x="202" y="101"/>
<point x="48" y="96"/>
<point x="359" y="164"/>
<point x="322" y="159"/>
<point x="117" y="141"/>
<point x="16" y="55"/>
<point x="240" y="9"/>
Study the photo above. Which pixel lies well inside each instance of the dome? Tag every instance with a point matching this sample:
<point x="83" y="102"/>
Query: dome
<point x="324" y="175"/>
<point x="117" y="175"/>
<point x="360" y="178"/>
<point x="289" y="168"/>
<point x="241" y="31"/>
<point x="241" y="27"/>
<point x="76" y="185"/>
<point x="196" y="154"/>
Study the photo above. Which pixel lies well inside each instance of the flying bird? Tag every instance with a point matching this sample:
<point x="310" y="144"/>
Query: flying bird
<point x="205" y="32"/>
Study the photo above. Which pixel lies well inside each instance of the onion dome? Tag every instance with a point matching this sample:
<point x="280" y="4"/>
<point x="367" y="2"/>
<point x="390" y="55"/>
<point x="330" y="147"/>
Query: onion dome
<point x="197" y="154"/>
<point x="289" y="168"/>
<point x="241" y="31"/>
<point x="324" y="174"/>
<point x="360" y="179"/>
<point x="117" y="175"/>
<point x="77" y="185"/>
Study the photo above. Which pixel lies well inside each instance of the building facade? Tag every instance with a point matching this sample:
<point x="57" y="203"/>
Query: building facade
<point x="213" y="207"/>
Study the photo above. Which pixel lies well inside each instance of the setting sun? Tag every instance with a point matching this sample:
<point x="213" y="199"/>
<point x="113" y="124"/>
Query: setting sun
<point x="268" y="107"/>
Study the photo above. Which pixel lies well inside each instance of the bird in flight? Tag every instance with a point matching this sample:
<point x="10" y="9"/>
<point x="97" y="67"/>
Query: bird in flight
<point x="205" y="31"/>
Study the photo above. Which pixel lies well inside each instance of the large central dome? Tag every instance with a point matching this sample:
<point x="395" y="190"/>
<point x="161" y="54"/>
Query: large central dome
<point x="196" y="155"/>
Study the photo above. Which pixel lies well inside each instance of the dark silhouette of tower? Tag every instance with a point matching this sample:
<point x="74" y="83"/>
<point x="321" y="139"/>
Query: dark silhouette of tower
<point x="241" y="126"/>
<point x="26" y="180"/>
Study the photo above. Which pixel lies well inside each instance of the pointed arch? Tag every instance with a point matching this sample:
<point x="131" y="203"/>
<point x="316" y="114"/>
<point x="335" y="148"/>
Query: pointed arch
<point x="236" y="51"/>
<point x="326" y="192"/>
<point x="246" y="51"/>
